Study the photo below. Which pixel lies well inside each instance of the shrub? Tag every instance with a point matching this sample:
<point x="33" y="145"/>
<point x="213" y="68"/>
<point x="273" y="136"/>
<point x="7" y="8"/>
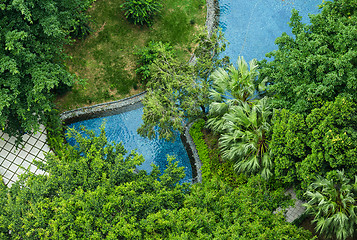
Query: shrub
<point x="332" y="202"/>
<point x="147" y="55"/>
<point x="141" y="11"/>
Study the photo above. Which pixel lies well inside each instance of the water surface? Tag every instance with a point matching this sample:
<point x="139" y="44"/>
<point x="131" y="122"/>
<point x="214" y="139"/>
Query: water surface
<point x="251" y="26"/>
<point x="122" y="128"/>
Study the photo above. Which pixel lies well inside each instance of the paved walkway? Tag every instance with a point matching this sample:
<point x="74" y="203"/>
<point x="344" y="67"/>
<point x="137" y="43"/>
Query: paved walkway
<point x="15" y="161"/>
<point x="292" y="213"/>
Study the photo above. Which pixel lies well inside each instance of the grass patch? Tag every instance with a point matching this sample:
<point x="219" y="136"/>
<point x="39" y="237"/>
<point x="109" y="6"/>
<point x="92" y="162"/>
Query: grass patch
<point x="105" y="59"/>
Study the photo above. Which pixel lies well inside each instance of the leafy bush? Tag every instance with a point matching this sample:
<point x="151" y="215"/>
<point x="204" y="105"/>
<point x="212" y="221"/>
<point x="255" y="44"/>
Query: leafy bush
<point x="141" y="11"/>
<point x="323" y="141"/>
<point x="147" y="55"/>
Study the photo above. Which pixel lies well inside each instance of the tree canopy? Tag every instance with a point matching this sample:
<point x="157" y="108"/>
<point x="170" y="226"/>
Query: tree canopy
<point x="92" y="191"/>
<point x="317" y="63"/>
<point x="323" y="141"/>
<point x="32" y="35"/>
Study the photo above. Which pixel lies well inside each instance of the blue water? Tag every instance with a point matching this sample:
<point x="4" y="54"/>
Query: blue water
<point x="122" y="128"/>
<point x="251" y="26"/>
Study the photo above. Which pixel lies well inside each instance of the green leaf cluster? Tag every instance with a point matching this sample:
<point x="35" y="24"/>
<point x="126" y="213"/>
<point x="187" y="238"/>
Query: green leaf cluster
<point x="332" y="202"/>
<point x="147" y="55"/>
<point x="212" y="165"/>
<point x="141" y="11"/>
<point x="242" y="120"/>
<point x="306" y="146"/>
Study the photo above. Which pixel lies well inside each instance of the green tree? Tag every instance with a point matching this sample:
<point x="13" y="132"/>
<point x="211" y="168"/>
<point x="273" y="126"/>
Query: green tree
<point x="325" y="140"/>
<point x="179" y="91"/>
<point x="318" y="63"/>
<point x="90" y="191"/>
<point x="332" y="202"/>
<point x="31" y="58"/>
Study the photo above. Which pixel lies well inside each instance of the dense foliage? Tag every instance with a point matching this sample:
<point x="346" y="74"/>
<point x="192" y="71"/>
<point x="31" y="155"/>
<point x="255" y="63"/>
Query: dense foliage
<point x="212" y="165"/>
<point x="31" y="57"/>
<point x="147" y="55"/>
<point x="93" y="191"/>
<point x="306" y="146"/>
<point x="318" y="63"/>
<point x="141" y="11"/>
<point x="332" y="202"/>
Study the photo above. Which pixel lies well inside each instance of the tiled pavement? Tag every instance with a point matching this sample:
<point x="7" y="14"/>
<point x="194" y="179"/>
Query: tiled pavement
<point x="14" y="161"/>
<point x="295" y="212"/>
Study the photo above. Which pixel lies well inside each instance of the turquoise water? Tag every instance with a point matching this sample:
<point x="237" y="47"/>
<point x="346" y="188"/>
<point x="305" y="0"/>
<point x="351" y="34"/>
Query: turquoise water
<point x="122" y="128"/>
<point x="251" y="26"/>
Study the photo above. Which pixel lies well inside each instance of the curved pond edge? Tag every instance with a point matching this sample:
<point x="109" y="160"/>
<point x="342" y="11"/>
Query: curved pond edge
<point x="134" y="102"/>
<point x="103" y="109"/>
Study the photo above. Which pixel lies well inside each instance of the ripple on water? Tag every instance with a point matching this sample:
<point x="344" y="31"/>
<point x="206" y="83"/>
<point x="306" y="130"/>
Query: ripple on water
<point x="122" y="128"/>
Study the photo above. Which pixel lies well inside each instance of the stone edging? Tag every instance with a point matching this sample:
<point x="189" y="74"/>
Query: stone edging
<point x="100" y="109"/>
<point x="196" y="163"/>
<point x="212" y="15"/>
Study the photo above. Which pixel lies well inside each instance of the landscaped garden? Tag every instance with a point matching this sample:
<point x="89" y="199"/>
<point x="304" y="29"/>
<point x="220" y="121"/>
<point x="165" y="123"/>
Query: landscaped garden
<point x="259" y="128"/>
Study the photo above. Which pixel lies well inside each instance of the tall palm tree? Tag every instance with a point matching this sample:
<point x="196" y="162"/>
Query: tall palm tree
<point x="244" y="139"/>
<point x="231" y="88"/>
<point x="333" y="205"/>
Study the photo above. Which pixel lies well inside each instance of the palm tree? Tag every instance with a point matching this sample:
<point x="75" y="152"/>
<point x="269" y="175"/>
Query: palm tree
<point x="333" y="205"/>
<point x="244" y="140"/>
<point x="231" y="88"/>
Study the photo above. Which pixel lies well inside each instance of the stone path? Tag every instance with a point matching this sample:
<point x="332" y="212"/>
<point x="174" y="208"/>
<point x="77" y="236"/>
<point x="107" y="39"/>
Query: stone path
<point x="15" y="161"/>
<point x="292" y="213"/>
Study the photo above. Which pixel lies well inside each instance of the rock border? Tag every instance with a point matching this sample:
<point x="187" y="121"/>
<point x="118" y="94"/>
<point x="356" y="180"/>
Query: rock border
<point x="103" y="109"/>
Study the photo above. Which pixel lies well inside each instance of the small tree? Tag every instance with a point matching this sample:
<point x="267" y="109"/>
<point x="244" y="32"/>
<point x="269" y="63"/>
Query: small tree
<point x="179" y="91"/>
<point x="333" y="203"/>
<point x="244" y="138"/>
<point x="141" y="11"/>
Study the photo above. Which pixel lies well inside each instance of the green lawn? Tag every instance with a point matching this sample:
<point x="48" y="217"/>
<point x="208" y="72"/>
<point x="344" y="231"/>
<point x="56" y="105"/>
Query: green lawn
<point x="105" y="59"/>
